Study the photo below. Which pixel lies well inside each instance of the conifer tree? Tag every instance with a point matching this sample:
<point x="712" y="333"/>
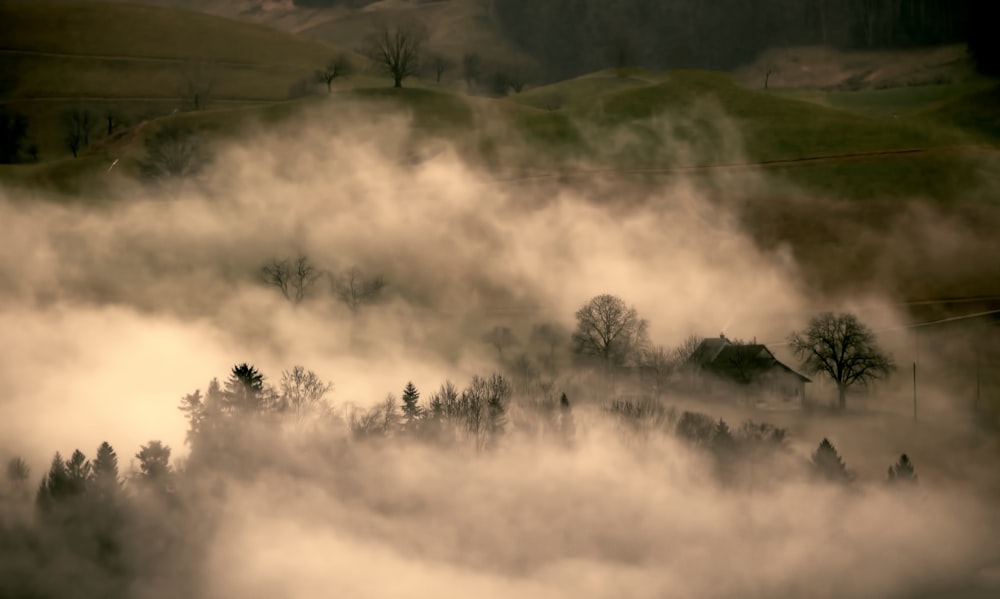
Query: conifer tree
<point x="828" y="465"/>
<point x="902" y="471"/>
<point x="244" y="391"/>
<point x="104" y="473"/>
<point x="411" y="410"/>
<point x="55" y="485"/>
<point x="78" y="471"/>
<point x="17" y="471"/>
<point x="154" y="462"/>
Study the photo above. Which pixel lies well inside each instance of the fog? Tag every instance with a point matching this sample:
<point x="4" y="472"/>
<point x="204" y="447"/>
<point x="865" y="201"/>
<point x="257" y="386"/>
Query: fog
<point x="112" y="311"/>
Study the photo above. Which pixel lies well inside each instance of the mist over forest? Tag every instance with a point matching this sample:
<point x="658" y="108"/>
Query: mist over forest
<point x="672" y="335"/>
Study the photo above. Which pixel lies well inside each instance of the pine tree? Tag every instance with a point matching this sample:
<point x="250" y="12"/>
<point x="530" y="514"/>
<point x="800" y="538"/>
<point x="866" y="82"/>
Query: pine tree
<point x="78" y="471"/>
<point x="828" y="465"/>
<point x="17" y="471"/>
<point x="411" y="411"/>
<point x="105" y="468"/>
<point x="902" y="471"/>
<point x="154" y="462"/>
<point x="244" y="391"/>
<point x="722" y="437"/>
<point x="55" y="485"/>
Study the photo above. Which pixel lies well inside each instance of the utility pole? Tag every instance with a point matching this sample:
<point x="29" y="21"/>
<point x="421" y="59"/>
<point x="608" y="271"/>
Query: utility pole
<point x="975" y="406"/>
<point x="914" y="374"/>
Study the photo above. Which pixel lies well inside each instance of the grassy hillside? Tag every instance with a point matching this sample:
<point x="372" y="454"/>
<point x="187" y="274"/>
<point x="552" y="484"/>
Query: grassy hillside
<point x="138" y="62"/>
<point x="148" y="32"/>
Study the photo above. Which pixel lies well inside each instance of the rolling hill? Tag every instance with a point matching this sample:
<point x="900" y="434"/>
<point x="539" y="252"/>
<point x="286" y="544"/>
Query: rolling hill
<point x="140" y="61"/>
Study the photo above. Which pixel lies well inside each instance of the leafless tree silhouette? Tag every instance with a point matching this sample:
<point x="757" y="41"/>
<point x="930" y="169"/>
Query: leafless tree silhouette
<point x="355" y="289"/>
<point x="338" y="67"/>
<point x="397" y="51"/>
<point x="844" y="349"/>
<point x="293" y="278"/>
<point x="609" y="330"/>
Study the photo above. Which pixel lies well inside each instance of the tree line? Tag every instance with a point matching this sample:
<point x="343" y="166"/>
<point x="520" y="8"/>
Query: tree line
<point x="126" y="526"/>
<point x="570" y="37"/>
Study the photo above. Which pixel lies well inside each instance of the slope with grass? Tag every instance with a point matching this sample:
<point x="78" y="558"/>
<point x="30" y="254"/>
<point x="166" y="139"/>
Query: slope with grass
<point x="139" y="61"/>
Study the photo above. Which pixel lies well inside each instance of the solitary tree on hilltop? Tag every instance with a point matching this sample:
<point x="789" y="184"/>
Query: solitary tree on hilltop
<point x="397" y="51"/>
<point x="844" y="349"/>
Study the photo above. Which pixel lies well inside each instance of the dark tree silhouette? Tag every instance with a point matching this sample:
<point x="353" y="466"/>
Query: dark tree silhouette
<point x="104" y="474"/>
<point x="902" y="471"/>
<point x="13" y="134"/>
<point x="696" y="428"/>
<point x="302" y="391"/>
<point x="397" y="51"/>
<point x="338" y="67"/>
<point x="411" y="410"/>
<point x="172" y="152"/>
<point x="500" y="338"/>
<point x="483" y="408"/>
<point x="78" y="471"/>
<point x="199" y="80"/>
<point x="356" y="289"/>
<point x="656" y="367"/>
<point x="567" y="426"/>
<point x="844" y="349"/>
<point x="112" y="120"/>
<point x="828" y="465"/>
<point x="78" y="124"/>
<point x="683" y="352"/>
<point x="440" y="64"/>
<point x="472" y="70"/>
<point x="154" y="463"/>
<point x="293" y="278"/>
<point x="17" y="471"/>
<point x="57" y="485"/>
<point x="244" y="391"/>
<point x="609" y="330"/>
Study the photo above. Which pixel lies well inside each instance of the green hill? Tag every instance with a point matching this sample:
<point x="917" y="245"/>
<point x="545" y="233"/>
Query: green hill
<point x="136" y="62"/>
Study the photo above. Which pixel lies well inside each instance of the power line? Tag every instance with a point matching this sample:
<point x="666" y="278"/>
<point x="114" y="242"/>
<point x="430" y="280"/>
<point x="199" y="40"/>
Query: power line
<point x="916" y="325"/>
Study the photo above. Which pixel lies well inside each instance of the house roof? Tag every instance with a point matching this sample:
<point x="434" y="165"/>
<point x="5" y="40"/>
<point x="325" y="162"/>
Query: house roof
<point x="738" y="360"/>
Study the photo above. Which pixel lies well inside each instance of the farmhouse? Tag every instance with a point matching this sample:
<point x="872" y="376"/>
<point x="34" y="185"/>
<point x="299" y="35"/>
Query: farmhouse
<point x="720" y="365"/>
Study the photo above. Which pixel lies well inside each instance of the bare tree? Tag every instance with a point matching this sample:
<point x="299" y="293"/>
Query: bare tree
<point x="303" y="392"/>
<point x="440" y="64"/>
<point x="683" y="352"/>
<point x="112" y="119"/>
<point x="657" y="365"/>
<point x="78" y="125"/>
<point x="199" y="79"/>
<point x="500" y="338"/>
<point x="355" y="289"/>
<point x="472" y="69"/>
<point x="844" y="349"/>
<point x="338" y="67"/>
<point x="397" y="51"/>
<point x="172" y="152"/>
<point x="293" y="278"/>
<point x="608" y="329"/>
